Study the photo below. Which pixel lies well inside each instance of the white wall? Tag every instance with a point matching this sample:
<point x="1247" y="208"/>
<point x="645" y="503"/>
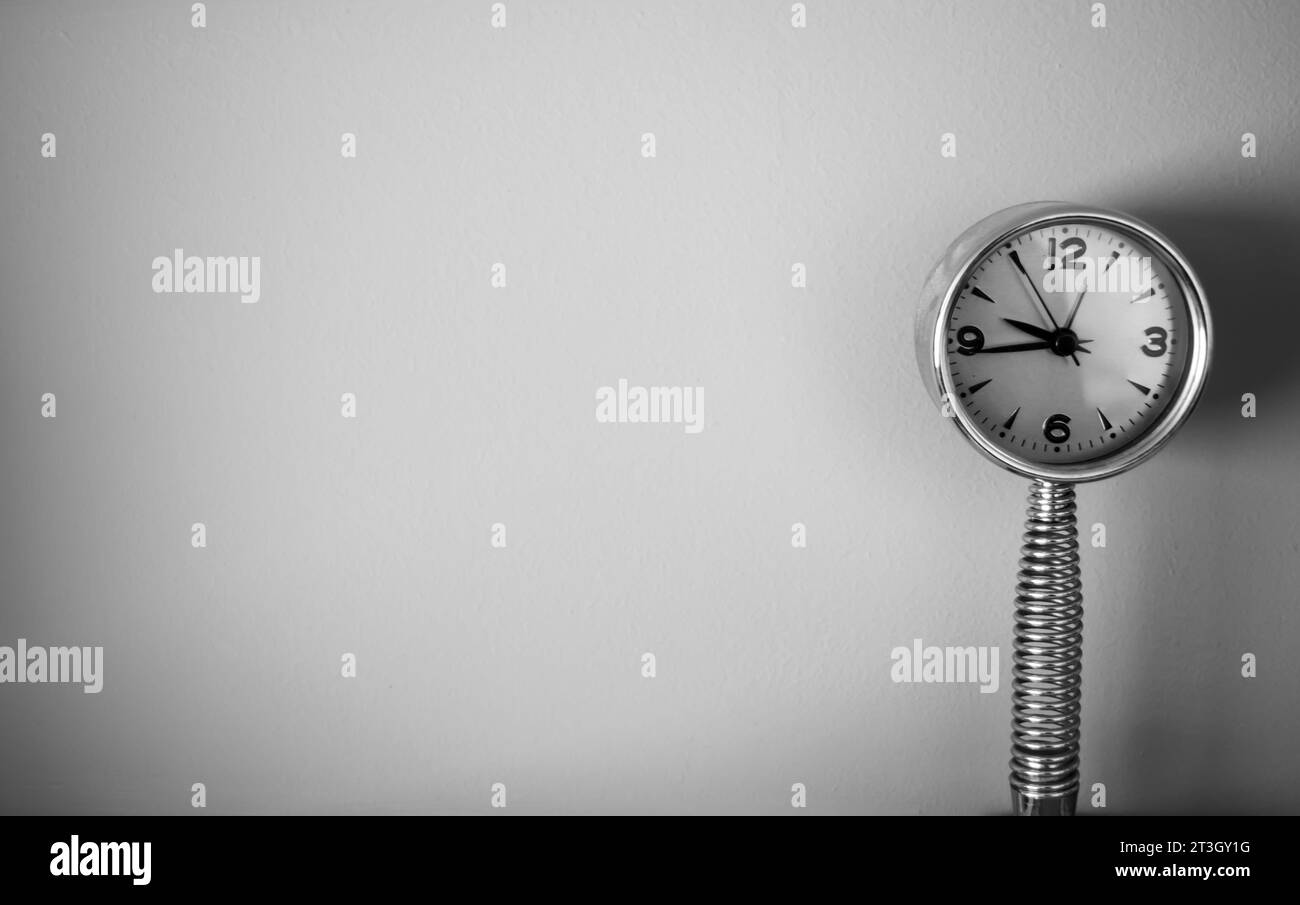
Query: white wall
<point x="477" y="665"/>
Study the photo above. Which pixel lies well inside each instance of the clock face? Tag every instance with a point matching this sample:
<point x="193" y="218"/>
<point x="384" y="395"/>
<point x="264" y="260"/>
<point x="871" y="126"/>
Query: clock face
<point x="1068" y="342"/>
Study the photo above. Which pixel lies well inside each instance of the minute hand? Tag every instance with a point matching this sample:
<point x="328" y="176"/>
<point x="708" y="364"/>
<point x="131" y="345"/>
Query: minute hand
<point x="1038" y="296"/>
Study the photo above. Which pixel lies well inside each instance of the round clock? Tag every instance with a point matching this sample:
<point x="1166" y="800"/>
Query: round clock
<point x="1067" y="343"/>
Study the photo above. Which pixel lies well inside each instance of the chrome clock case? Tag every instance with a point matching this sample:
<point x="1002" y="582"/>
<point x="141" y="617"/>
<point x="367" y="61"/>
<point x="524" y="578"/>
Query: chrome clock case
<point x="965" y="254"/>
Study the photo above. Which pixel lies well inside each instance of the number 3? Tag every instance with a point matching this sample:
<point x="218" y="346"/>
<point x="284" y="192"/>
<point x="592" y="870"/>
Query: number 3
<point x="1155" y="346"/>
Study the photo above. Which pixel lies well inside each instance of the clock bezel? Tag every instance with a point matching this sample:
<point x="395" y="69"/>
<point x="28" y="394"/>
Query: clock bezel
<point x="977" y="243"/>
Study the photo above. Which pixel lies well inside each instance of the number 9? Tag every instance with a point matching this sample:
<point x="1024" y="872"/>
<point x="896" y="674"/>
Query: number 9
<point x="970" y="339"/>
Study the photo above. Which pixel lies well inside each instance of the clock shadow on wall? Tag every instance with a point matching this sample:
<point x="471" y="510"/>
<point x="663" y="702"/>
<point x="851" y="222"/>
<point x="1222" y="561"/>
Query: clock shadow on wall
<point x="1246" y="256"/>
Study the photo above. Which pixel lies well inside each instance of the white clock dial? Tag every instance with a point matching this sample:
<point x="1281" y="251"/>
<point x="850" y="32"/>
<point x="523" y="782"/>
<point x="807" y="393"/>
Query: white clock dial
<point x="1067" y="342"/>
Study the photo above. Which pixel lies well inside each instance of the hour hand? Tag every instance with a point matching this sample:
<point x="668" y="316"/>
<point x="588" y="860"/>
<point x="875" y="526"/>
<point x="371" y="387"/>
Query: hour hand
<point x="1030" y="329"/>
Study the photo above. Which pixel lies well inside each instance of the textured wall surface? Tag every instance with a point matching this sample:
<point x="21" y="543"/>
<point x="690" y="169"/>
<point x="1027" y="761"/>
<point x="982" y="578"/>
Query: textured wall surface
<point x="475" y="405"/>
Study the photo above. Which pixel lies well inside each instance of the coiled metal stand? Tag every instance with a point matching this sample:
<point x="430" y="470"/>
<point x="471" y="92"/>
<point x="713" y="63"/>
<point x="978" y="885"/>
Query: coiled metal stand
<point x="1048" y="648"/>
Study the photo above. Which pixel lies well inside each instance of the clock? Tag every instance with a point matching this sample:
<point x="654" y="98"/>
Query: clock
<point x="1067" y="344"/>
